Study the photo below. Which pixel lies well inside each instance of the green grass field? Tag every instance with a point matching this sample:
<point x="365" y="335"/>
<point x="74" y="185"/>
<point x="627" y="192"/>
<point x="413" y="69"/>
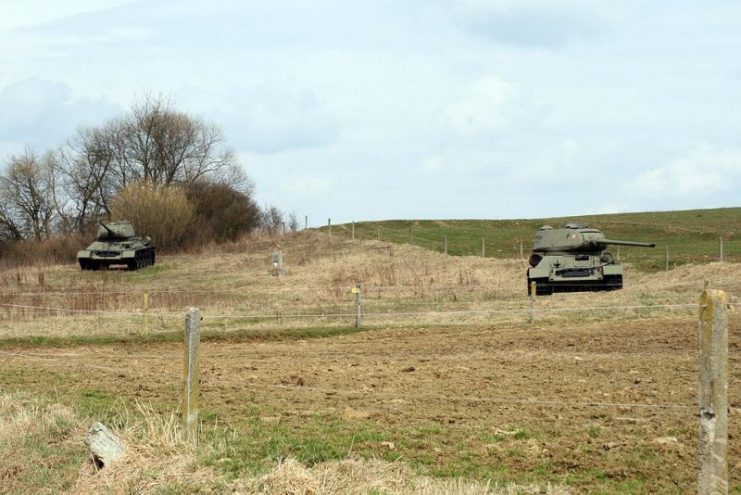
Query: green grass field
<point x="692" y="236"/>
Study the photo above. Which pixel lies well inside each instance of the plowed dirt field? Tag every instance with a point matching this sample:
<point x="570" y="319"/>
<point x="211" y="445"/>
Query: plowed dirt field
<point x="569" y="402"/>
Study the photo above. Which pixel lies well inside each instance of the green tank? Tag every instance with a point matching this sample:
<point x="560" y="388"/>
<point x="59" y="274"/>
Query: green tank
<point x="117" y="244"/>
<point x="573" y="259"/>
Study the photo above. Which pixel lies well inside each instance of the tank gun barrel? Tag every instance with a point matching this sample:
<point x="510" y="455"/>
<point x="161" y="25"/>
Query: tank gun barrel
<point x="110" y="232"/>
<point x="616" y="242"/>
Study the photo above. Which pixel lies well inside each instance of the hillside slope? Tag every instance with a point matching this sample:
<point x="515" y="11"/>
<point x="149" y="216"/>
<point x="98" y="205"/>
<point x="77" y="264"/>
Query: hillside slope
<point x="691" y="236"/>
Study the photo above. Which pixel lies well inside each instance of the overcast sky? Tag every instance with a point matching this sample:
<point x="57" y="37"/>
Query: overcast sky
<point x="381" y="109"/>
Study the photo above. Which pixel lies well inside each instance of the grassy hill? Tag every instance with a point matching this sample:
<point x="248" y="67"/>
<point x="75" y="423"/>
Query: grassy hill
<point x="691" y="236"/>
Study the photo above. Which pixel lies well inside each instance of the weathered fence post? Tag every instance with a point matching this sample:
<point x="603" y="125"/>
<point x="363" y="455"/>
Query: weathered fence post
<point x="358" y="305"/>
<point x="306" y="222"/>
<point x="713" y="477"/>
<point x="329" y="227"/>
<point x="483" y="247"/>
<point x="191" y="386"/>
<point x="353" y="230"/>
<point x="721" y="249"/>
<point x="533" y="290"/>
<point x="666" y="259"/>
<point x="145" y="308"/>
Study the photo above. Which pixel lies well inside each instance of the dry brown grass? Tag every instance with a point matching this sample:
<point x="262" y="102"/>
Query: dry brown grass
<point x="402" y="285"/>
<point x="355" y="477"/>
<point x="156" y="459"/>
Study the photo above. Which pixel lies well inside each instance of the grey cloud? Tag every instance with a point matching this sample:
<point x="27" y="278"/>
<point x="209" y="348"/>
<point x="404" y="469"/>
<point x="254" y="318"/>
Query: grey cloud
<point x="43" y="113"/>
<point x="266" y="119"/>
<point x="532" y="24"/>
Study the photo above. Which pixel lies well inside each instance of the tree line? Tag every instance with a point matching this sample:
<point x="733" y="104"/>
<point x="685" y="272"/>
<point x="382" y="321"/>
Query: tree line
<point x="169" y="172"/>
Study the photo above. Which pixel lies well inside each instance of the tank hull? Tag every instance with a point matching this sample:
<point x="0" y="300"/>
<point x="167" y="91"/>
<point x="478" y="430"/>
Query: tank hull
<point x="116" y="244"/>
<point x="132" y="259"/>
<point x="575" y="273"/>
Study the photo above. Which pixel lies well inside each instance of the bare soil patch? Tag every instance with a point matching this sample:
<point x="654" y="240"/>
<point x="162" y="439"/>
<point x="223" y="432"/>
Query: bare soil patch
<point x="569" y="398"/>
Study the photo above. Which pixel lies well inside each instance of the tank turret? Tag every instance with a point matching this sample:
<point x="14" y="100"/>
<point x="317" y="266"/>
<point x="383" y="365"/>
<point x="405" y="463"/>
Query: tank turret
<point x="573" y="258"/>
<point x="117" y="244"/>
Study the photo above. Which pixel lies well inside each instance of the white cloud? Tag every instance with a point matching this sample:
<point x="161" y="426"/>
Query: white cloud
<point x="22" y="13"/>
<point x="703" y="171"/>
<point x="431" y="165"/>
<point x="306" y="185"/>
<point x="483" y="107"/>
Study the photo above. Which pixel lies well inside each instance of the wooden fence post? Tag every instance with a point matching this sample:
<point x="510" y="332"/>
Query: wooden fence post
<point x="306" y="222"/>
<point x="713" y="326"/>
<point x="721" y="249"/>
<point x="520" y="249"/>
<point x="358" y="306"/>
<point x="191" y="385"/>
<point x="533" y="291"/>
<point x="666" y="259"/>
<point x="145" y="308"/>
<point x="329" y="227"/>
<point x="483" y="247"/>
<point x="353" y="230"/>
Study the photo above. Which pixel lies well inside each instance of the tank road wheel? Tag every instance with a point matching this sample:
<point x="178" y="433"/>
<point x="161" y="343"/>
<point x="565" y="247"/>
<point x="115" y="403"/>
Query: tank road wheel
<point x="132" y="264"/>
<point x="84" y="265"/>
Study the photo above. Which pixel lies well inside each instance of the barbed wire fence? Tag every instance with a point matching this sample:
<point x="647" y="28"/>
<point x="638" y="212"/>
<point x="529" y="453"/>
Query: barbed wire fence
<point x="526" y="311"/>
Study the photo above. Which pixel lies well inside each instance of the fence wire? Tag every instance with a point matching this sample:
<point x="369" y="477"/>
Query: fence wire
<point x="287" y="314"/>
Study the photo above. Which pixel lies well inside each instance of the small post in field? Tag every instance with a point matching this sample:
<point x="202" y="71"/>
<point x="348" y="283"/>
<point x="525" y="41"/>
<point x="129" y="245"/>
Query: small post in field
<point x="445" y="242"/>
<point x="353" y="230"/>
<point x="520" y="249"/>
<point x="191" y="385"/>
<point x="411" y="237"/>
<point x="358" y="305"/>
<point x="306" y="222"/>
<point x="721" y="249"/>
<point x="329" y="227"/>
<point x="277" y="262"/>
<point x="666" y="259"/>
<point x="145" y="308"/>
<point x="483" y="247"/>
<point x="713" y="326"/>
<point x="533" y="290"/>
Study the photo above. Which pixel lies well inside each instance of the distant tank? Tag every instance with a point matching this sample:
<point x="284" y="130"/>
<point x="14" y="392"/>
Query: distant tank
<point x="573" y="259"/>
<point x="117" y="244"/>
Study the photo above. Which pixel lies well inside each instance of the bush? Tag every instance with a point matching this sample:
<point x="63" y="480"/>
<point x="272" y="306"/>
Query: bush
<point x="222" y="213"/>
<point x="61" y="249"/>
<point x="160" y="212"/>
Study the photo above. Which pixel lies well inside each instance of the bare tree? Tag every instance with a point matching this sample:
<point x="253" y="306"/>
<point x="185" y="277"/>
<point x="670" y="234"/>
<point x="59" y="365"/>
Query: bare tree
<point x="293" y="222"/>
<point x="28" y="197"/>
<point x="271" y="219"/>
<point x="151" y="144"/>
<point x="86" y="166"/>
<point x="162" y="146"/>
